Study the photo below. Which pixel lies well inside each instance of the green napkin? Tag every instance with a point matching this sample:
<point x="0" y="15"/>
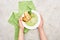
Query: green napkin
<point x="22" y="6"/>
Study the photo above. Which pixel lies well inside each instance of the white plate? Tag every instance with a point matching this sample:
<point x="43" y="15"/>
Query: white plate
<point x="36" y="25"/>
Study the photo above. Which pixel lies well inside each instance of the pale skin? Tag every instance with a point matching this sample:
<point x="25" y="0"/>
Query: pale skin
<point x="40" y="29"/>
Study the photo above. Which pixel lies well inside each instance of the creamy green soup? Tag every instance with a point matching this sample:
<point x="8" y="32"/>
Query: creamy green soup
<point x="33" y="20"/>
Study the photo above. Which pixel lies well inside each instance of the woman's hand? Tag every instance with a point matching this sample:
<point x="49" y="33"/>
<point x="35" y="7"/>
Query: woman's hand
<point x="21" y="30"/>
<point x="20" y="24"/>
<point x="41" y="30"/>
<point x="41" y="23"/>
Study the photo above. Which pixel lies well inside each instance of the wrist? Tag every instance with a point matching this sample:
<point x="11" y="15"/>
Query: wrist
<point x="21" y="29"/>
<point x="40" y="29"/>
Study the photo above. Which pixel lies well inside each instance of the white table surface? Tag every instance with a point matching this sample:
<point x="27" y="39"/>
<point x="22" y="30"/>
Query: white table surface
<point x="49" y="9"/>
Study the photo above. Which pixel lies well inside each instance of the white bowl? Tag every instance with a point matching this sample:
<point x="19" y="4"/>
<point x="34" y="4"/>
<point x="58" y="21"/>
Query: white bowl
<point x="36" y="25"/>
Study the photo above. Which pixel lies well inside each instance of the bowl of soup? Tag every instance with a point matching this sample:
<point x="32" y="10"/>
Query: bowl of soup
<point x="31" y="20"/>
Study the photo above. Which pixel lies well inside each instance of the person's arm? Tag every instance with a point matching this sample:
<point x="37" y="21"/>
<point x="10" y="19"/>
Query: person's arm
<point x="41" y="30"/>
<point x="21" y="30"/>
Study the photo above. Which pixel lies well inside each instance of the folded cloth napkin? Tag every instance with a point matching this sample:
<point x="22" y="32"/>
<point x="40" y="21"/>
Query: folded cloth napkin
<point x="22" y="6"/>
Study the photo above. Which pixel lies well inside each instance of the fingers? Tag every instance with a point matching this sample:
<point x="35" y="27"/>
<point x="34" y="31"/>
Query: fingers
<point x="20" y="24"/>
<point x="41" y="19"/>
<point x="41" y="22"/>
<point x="20" y="21"/>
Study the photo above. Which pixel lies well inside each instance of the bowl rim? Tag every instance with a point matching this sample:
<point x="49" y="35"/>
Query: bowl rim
<point x="34" y="26"/>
